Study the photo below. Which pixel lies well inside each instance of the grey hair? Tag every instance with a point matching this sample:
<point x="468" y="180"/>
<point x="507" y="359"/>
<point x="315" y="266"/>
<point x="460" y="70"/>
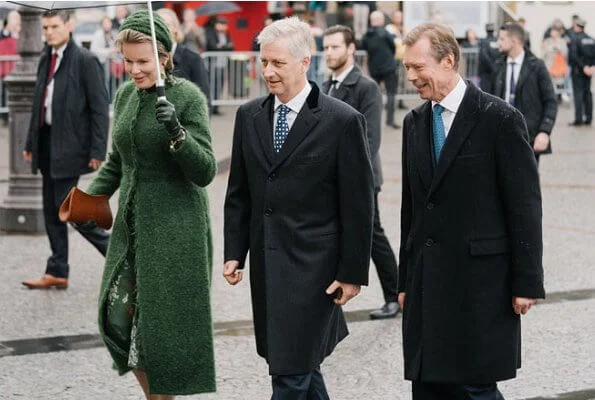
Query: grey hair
<point x="297" y="32"/>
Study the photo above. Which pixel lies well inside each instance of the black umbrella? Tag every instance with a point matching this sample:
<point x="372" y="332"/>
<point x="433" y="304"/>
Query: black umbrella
<point x="217" y="7"/>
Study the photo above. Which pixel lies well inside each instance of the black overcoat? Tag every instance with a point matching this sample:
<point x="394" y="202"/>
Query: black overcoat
<point x="191" y="66"/>
<point x="470" y="240"/>
<point x="534" y="94"/>
<point x="80" y="116"/>
<point x="305" y="214"/>
<point x="362" y="93"/>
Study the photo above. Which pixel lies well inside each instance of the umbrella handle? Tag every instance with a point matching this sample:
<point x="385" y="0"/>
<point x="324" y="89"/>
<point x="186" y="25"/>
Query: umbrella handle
<point x="160" y="92"/>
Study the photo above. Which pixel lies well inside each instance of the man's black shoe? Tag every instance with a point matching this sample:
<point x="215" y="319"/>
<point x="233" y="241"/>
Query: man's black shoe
<point x="388" y="310"/>
<point x="394" y="126"/>
<point x="575" y="123"/>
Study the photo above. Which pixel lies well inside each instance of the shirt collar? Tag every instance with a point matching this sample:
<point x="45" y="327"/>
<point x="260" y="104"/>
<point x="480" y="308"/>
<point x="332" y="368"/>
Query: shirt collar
<point x="343" y="75"/>
<point x="518" y="60"/>
<point x="298" y="101"/>
<point x="174" y="46"/>
<point x="453" y="100"/>
<point x="60" y="50"/>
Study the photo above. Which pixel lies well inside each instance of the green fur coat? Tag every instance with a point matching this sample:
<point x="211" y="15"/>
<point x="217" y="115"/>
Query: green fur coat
<point x="163" y="221"/>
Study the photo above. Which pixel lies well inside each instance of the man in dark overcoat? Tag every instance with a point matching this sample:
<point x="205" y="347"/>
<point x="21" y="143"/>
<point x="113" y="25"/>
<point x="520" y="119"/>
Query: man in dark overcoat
<point x="187" y="63"/>
<point x="300" y="199"/>
<point x="522" y="80"/>
<point x="471" y="239"/>
<point x="362" y="93"/>
<point x="67" y="135"/>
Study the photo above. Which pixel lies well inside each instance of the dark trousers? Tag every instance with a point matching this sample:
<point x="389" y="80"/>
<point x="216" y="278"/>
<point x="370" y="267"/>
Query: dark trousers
<point x="299" y="387"/>
<point x="384" y="258"/>
<point x="448" y="391"/>
<point x="583" y="99"/>
<point x="54" y="192"/>
<point x="390" y="84"/>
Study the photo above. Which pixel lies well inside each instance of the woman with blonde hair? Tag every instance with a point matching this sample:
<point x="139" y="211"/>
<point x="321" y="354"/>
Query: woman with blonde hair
<point x="154" y="304"/>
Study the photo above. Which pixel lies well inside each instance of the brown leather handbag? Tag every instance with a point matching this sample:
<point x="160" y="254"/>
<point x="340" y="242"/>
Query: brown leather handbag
<point x="79" y="207"/>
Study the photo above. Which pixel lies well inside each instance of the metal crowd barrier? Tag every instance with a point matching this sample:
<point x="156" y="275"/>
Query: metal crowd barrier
<point x="236" y="77"/>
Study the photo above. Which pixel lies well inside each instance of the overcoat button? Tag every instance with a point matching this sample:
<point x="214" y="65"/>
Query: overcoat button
<point x="268" y="212"/>
<point x="429" y="242"/>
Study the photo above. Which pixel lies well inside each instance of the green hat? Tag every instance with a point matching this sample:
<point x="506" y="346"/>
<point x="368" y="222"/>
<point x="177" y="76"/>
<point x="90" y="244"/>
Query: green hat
<point x="139" y="21"/>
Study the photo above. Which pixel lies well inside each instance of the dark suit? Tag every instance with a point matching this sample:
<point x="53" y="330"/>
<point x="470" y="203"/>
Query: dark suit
<point x="534" y="94"/>
<point x="363" y="94"/>
<point x="62" y="151"/>
<point x="470" y="240"/>
<point x="190" y="65"/>
<point x="305" y="215"/>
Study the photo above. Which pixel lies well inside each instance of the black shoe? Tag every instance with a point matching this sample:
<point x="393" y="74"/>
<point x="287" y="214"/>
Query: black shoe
<point x="402" y="106"/>
<point x="588" y="123"/>
<point x="388" y="310"/>
<point x="216" y="112"/>
<point x="575" y="123"/>
<point x="394" y="126"/>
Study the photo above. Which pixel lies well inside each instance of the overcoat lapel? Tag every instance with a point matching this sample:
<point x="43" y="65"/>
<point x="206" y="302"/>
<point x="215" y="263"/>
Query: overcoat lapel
<point x="306" y="120"/>
<point x="525" y="71"/>
<point x="422" y="132"/>
<point x="263" y="125"/>
<point x="463" y="124"/>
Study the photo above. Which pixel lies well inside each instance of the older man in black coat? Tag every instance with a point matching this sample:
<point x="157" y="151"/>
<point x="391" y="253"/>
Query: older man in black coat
<point x="67" y="135"/>
<point x="523" y="81"/>
<point x="471" y="240"/>
<point x="300" y="199"/>
<point x="362" y="93"/>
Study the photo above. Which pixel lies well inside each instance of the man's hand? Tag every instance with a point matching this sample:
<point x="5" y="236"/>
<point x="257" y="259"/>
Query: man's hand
<point x="542" y="140"/>
<point x="588" y="70"/>
<point x="27" y="156"/>
<point x="401" y="300"/>
<point x="95" y="164"/>
<point x="230" y="272"/>
<point x="521" y="305"/>
<point x="346" y="291"/>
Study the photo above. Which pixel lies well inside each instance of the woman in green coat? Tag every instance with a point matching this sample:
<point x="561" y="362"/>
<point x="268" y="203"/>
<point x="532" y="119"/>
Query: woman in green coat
<point x="154" y="304"/>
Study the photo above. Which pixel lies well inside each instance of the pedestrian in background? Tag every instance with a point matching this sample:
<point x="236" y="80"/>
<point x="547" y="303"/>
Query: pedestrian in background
<point x="523" y="81"/>
<point x="581" y="60"/>
<point x="121" y="15"/>
<point x="382" y="65"/>
<point x="471" y="238"/>
<point x="397" y="29"/>
<point x="104" y="46"/>
<point x="187" y="64"/>
<point x="218" y="39"/>
<point x="67" y="135"/>
<point x="488" y="54"/>
<point x="194" y="35"/>
<point x="300" y="200"/>
<point x="12" y="28"/>
<point x="154" y="301"/>
<point x="555" y="55"/>
<point x="348" y="84"/>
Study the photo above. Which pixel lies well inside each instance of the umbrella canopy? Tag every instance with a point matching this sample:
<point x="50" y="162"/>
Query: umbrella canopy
<point x="217" y="7"/>
<point x="64" y="5"/>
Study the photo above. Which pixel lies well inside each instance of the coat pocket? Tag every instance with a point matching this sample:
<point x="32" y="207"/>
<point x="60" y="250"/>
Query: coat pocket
<point x="488" y="247"/>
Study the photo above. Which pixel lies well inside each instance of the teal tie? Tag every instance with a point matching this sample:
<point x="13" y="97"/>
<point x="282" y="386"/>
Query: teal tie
<point x="439" y="132"/>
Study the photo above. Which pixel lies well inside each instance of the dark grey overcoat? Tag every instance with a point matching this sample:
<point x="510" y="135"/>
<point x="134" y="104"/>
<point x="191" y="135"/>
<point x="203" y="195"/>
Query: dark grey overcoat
<point x="362" y="93"/>
<point x="305" y="214"/>
<point x="470" y="240"/>
<point x="534" y="94"/>
<point x="80" y="116"/>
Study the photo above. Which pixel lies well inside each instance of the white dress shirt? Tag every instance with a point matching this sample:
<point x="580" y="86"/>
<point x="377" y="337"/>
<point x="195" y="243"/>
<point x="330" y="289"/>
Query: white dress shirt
<point x="518" y="63"/>
<point x="341" y="77"/>
<point x="50" y="86"/>
<point x="451" y="104"/>
<point x="295" y="105"/>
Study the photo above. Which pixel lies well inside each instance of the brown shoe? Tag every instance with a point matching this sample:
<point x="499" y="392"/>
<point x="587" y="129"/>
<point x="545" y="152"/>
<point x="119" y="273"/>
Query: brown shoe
<point x="46" y="282"/>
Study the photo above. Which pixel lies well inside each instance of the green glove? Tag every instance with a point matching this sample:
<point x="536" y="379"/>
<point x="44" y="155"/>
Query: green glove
<point x="166" y="114"/>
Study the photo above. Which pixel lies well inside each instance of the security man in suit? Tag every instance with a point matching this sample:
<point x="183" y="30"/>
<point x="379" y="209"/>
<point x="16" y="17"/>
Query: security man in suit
<point x="523" y="81"/>
<point x="362" y="93"/>
<point x="67" y="135"/>
<point x="581" y="58"/>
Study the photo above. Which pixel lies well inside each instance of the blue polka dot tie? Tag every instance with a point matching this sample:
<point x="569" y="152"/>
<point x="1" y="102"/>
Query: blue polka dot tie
<point x="439" y="132"/>
<point x="282" y="128"/>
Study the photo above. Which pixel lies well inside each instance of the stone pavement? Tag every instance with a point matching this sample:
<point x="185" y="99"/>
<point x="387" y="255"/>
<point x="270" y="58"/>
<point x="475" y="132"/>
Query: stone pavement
<point x="559" y="334"/>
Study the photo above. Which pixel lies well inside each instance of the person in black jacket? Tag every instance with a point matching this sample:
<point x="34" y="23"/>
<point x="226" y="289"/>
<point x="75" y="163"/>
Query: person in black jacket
<point x="349" y="84"/>
<point x="523" y="81"/>
<point x="380" y="45"/>
<point x="187" y="64"/>
<point x="218" y="39"/>
<point x="67" y="135"/>
<point x="581" y="58"/>
<point x="488" y="54"/>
